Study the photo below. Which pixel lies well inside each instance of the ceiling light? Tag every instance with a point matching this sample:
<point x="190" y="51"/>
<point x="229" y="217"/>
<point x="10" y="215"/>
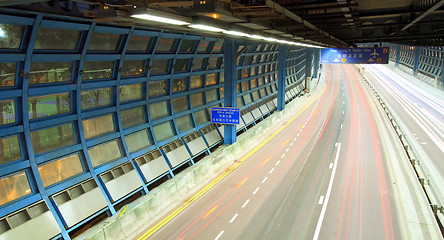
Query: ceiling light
<point x="206" y="28"/>
<point x="150" y="17"/>
<point x="255" y="36"/>
<point x="235" y="33"/>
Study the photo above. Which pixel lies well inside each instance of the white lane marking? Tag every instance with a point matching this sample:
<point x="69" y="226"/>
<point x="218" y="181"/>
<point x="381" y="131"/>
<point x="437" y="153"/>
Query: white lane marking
<point x="220" y="234"/>
<point x="331" y="165"/>
<point x="291" y="144"/>
<point x="321" y="200"/>
<point x="341" y="126"/>
<point x="271" y="171"/>
<point x="283" y="155"/>
<point x="423" y="143"/>
<point x="265" y="179"/>
<point x="246" y="202"/>
<point x="336" y="144"/>
<point x="343" y="102"/>
<point x="330" y="185"/>
<point x="234" y="217"/>
<point x="342" y="112"/>
<point x="299" y="134"/>
<point x="294" y="139"/>
<point x="287" y="149"/>
<point x="277" y="163"/>
<point x="255" y="191"/>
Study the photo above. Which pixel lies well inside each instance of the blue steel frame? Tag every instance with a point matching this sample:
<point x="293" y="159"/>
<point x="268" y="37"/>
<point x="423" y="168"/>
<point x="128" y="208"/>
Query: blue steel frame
<point x="261" y="61"/>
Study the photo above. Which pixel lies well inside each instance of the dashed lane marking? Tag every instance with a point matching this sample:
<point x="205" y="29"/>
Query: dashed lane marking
<point x="234" y="217"/>
<point x="245" y="203"/>
<point x="219" y="235"/>
<point x="265" y="179"/>
<point x="321" y="200"/>
<point x="271" y="171"/>
<point x="255" y="191"/>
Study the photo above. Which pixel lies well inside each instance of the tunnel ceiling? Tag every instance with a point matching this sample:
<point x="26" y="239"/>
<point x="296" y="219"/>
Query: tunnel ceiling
<point x="338" y="23"/>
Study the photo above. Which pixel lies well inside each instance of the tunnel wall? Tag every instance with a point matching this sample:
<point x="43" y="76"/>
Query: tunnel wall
<point x="93" y="114"/>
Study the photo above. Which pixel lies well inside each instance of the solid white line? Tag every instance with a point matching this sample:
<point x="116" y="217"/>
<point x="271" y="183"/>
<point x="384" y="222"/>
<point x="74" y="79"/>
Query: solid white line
<point x="234" y="217"/>
<point x="277" y="163"/>
<point x="294" y="139"/>
<point x="220" y="234"/>
<point x="341" y="126"/>
<point x="265" y="179"/>
<point x="255" y="191"/>
<point x="299" y="134"/>
<point x="291" y="144"/>
<point x="271" y="171"/>
<point x="283" y="155"/>
<point x="330" y="185"/>
<point x="246" y="202"/>
<point x="287" y="149"/>
<point x="331" y="165"/>
<point x="336" y="144"/>
<point x="321" y="200"/>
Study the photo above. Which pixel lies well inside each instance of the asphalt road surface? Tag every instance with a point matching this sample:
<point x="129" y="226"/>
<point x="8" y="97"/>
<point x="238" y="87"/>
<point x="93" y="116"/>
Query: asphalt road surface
<point x="331" y="172"/>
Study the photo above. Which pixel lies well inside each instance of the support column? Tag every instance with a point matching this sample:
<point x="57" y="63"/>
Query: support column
<point x="317" y="59"/>
<point x="230" y="49"/>
<point x="416" y="62"/>
<point x="308" y="67"/>
<point x="442" y="69"/>
<point x="398" y="55"/>
<point x="282" y="74"/>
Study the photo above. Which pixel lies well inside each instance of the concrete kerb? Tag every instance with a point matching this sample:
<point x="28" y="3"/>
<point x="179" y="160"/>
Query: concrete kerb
<point x="151" y="207"/>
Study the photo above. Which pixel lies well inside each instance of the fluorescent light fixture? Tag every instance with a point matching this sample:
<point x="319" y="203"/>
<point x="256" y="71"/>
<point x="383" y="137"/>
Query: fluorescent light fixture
<point x="206" y="28"/>
<point x="236" y="33"/>
<point x="2" y="33"/>
<point x="255" y="36"/>
<point x="153" y="18"/>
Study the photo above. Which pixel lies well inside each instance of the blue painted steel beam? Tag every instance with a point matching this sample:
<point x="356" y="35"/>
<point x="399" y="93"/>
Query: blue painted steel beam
<point x="398" y="55"/>
<point x="230" y="49"/>
<point x="282" y="72"/>
<point x="416" y="61"/>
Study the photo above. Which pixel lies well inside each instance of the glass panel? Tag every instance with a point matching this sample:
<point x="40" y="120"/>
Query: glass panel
<point x="238" y="88"/>
<point x="253" y="71"/>
<point x="10" y="36"/>
<point x="196" y="81"/>
<point x="163" y="131"/>
<point x="57" y="39"/>
<point x="218" y="46"/>
<point x="7" y="112"/>
<point x="159" y="66"/>
<point x="97" y="70"/>
<point x="95" y="98"/>
<point x="181" y="65"/>
<point x="157" y="88"/>
<point x="201" y="117"/>
<point x="203" y="46"/>
<point x="104" y="153"/>
<point x="165" y="45"/>
<point x="184" y="123"/>
<point x="222" y="93"/>
<point x="9" y="149"/>
<point x="212" y="62"/>
<point x="198" y="64"/>
<point x="212" y="95"/>
<point x="197" y="100"/>
<point x="179" y="85"/>
<point x="104" y="42"/>
<point x="247" y="60"/>
<point x="221" y="77"/>
<point x="211" y="79"/>
<point x="180" y="104"/>
<point x="239" y="102"/>
<point x="245" y="86"/>
<point x="50" y="72"/>
<point x="247" y="99"/>
<point x="262" y="91"/>
<point x="261" y="81"/>
<point x="132" y="116"/>
<point x="7" y="74"/>
<point x="130" y="92"/>
<point x="253" y="83"/>
<point x="48" y="105"/>
<point x="255" y="95"/>
<point x="187" y="46"/>
<point x="139" y="43"/>
<point x="158" y="110"/>
<point x="52" y="138"/>
<point x="245" y="73"/>
<point x="94" y="127"/>
<point x="137" y="140"/>
<point x="14" y="187"/>
<point x="132" y="68"/>
<point x="60" y="169"/>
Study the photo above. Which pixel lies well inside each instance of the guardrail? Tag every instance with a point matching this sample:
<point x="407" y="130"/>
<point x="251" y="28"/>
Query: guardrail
<point x="421" y="172"/>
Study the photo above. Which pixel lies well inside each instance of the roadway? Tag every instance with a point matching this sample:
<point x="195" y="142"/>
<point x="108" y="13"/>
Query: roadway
<point x="333" y="171"/>
<point x="420" y="108"/>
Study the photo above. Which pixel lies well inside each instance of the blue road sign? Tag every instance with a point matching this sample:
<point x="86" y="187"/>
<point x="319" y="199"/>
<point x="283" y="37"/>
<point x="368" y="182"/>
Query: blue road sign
<point x="364" y="55"/>
<point x="225" y="115"/>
